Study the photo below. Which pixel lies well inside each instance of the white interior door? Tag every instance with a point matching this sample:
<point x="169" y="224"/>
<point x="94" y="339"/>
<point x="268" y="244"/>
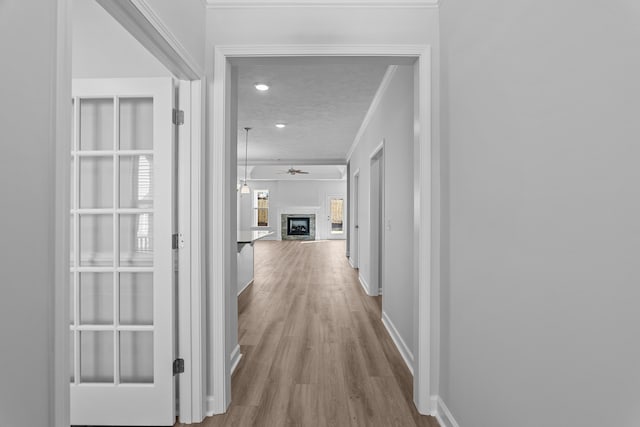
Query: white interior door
<point x="122" y="302"/>
<point x="335" y="217"/>
<point x="356" y="220"/>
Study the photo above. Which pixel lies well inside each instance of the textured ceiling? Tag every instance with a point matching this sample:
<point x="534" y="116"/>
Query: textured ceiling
<point x="323" y="104"/>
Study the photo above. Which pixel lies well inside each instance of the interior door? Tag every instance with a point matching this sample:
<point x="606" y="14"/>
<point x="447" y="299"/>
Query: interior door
<point x="335" y="217"/>
<point x="356" y="220"/>
<point x="122" y="302"/>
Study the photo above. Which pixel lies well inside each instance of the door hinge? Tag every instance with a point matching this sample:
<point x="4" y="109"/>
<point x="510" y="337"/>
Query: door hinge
<point x="178" y="366"/>
<point x="178" y="117"/>
<point x="177" y="241"/>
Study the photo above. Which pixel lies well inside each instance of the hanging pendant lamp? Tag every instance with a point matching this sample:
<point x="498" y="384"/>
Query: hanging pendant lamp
<point x="245" y="188"/>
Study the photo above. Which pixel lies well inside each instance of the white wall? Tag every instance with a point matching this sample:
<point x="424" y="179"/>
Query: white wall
<point x="323" y="25"/>
<point x="27" y="114"/>
<point x="540" y="288"/>
<point x="102" y="48"/>
<point x="186" y="21"/>
<point x="287" y="194"/>
<point x="28" y="46"/>
<point x="392" y="122"/>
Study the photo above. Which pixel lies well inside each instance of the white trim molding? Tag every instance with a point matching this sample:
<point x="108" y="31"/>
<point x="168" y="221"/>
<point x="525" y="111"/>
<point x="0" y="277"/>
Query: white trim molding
<point x="390" y="4"/>
<point x="382" y="89"/>
<point x="377" y="150"/>
<point x="245" y="286"/>
<point x="139" y="19"/>
<point x="364" y="284"/>
<point x="192" y="338"/>
<point x="426" y="202"/>
<point x="235" y="358"/>
<point x="402" y="347"/>
<point x="58" y="296"/>
<point x="211" y="406"/>
<point x="442" y="413"/>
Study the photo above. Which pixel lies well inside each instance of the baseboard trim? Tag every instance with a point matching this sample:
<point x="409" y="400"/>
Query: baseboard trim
<point x="364" y="284"/>
<point x="211" y="405"/>
<point x="351" y="263"/>
<point x="235" y="358"/>
<point x="442" y="413"/>
<point x="245" y="287"/>
<point x="402" y="347"/>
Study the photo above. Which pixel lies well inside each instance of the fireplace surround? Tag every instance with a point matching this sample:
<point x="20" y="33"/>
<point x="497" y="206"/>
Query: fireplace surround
<point x="298" y="226"/>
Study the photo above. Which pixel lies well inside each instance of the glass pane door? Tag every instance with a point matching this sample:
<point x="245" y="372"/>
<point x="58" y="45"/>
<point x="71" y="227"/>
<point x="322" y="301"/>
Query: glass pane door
<point x="119" y="286"/>
<point x="335" y="217"/>
<point x="112" y="216"/>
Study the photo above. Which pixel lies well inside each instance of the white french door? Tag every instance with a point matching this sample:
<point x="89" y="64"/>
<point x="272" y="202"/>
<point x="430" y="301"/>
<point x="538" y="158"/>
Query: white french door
<point x="122" y="302"/>
<point x="335" y="217"/>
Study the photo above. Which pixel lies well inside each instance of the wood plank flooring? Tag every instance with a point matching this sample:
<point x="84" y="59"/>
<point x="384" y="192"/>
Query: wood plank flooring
<point x="315" y="352"/>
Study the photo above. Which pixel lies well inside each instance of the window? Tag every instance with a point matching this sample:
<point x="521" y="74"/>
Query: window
<point x="144" y="195"/>
<point x="261" y="208"/>
<point x="337" y="215"/>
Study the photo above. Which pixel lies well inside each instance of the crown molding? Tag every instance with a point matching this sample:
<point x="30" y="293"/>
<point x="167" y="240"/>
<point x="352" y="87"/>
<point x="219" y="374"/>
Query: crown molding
<point x="377" y="98"/>
<point x="394" y="4"/>
<point x="140" y="19"/>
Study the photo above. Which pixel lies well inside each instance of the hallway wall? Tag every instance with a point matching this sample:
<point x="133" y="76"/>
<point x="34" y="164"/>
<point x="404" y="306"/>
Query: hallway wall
<point x="392" y="122"/>
<point x="28" y="43"/>
<point x="540" y="289"/>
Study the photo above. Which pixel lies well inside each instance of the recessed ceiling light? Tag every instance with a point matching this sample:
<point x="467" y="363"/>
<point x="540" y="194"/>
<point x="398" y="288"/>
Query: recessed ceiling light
<point x="280" y="125"/>
<point x="261" y="87"/>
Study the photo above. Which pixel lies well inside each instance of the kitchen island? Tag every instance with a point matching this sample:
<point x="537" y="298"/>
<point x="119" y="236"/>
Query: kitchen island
<point x="246" y="238"/>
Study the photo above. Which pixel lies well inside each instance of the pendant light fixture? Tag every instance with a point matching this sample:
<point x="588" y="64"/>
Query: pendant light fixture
<point x="245" y="188"/>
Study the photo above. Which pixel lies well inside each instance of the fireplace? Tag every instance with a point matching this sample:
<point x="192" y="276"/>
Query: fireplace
<point x="299" y="226"/>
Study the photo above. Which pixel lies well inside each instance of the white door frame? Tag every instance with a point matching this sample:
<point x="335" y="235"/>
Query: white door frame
<point x="139" y="18"/>
<point x="354" y="256"/>
<point x="378" y="154"/>
<point x="427" y="205"/>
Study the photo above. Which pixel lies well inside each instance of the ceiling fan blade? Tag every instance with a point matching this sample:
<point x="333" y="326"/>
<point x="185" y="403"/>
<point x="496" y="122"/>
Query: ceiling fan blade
<point x="302" y="172"/>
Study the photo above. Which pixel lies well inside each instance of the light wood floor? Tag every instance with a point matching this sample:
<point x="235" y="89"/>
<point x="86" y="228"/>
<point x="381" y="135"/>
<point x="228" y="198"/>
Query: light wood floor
<point x="315" y="352"/>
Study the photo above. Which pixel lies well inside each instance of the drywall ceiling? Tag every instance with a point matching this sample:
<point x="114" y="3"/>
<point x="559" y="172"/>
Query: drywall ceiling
<point x="322" y="102"/>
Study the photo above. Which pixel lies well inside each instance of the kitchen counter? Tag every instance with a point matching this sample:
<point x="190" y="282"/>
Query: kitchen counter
<point x="250" y="236"/>
<point x="246" y="239"/>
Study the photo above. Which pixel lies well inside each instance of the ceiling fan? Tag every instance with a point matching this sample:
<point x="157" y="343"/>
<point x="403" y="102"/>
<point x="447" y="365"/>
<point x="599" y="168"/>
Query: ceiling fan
<point x="292" y="171"/>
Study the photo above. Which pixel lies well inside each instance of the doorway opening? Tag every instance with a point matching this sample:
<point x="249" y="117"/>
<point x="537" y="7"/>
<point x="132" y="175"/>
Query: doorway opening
<point x="223" y="95"/>
<point x="355" y="239"/>
<point x="376" y="212"/>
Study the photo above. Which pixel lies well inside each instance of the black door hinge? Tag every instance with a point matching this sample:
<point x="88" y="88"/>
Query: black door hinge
<point x="178" y="366"/>
<point x="178" y="117"/>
